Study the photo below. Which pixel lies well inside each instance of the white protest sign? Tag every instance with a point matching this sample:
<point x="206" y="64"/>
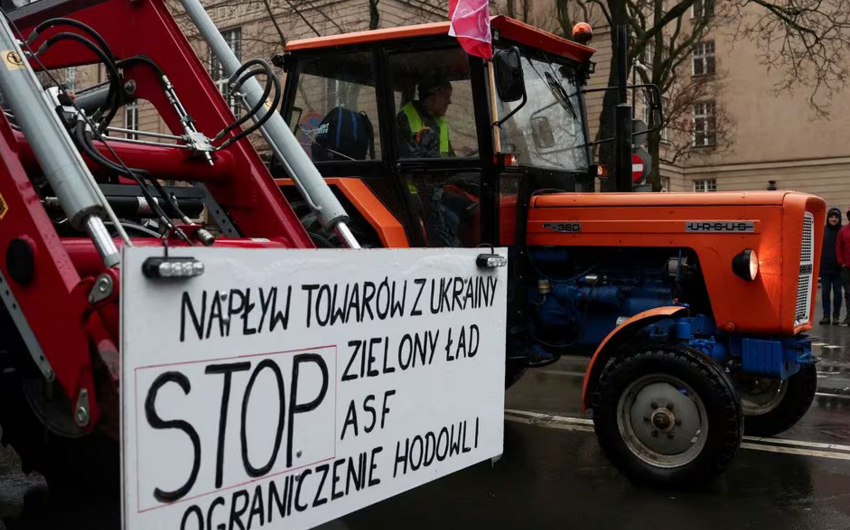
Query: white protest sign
<point x="286" y="388"/>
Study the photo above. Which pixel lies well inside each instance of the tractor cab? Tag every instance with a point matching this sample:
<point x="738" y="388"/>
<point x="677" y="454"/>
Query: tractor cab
<point x="432" y="146"/>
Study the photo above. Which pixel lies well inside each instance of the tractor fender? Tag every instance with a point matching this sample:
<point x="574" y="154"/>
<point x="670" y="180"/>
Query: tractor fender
<point x="617" y="337"/>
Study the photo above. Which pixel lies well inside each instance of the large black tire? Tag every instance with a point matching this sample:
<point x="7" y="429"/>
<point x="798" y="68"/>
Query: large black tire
<point x="795" y="398"/>
<point x="642" y="444"/>
<point x="90" y="461"/>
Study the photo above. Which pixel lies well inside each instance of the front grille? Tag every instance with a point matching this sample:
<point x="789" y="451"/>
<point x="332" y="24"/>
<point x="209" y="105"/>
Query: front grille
<point x="804" y="283"/>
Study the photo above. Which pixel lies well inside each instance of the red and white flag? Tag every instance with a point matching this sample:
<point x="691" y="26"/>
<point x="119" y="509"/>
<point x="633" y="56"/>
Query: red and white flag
<point x="470" y="23"/>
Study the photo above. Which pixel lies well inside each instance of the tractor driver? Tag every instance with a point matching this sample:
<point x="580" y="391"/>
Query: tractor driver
<point x="422" y="128"/>
<point x="424" y="133"/>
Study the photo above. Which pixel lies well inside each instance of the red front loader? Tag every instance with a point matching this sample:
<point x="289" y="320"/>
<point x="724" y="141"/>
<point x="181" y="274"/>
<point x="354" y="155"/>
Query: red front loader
<point x="73" y="190"/>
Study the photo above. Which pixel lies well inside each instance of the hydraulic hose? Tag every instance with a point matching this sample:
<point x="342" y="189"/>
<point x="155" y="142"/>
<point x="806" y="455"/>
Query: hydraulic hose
<point x="145" y="60"/>
<point x="85" y="143"/>
<point x="74" y="23"/>
<point x="253" y="110"/>
<point x="113" y="97"/>
<point x="266" y="117"/>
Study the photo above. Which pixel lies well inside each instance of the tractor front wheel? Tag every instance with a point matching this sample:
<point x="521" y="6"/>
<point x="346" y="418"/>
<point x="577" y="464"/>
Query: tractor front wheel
<point x="772" y="406"/>
<point x="667" y="416"/>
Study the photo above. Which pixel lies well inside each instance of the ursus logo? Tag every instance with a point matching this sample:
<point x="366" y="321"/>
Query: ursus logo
<point x="720" y="226"/>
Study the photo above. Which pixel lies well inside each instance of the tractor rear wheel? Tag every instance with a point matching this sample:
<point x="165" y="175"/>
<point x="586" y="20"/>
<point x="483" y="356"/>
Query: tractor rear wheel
<point x="772" y="406"/>
<point x="666" y="415"/>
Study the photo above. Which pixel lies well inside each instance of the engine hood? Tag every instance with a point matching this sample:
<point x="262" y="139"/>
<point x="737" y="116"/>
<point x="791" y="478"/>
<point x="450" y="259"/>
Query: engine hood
<point x="641" y="199"/>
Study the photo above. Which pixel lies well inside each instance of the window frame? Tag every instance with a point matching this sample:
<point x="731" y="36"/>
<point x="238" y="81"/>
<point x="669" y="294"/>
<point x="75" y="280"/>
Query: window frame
<point x="705" y="12"/>
<point x="707" y="185"/>
<point x="388" y="51"/>
<point x="71" y="79"/>
<point x="709" y="129"/>
<point x="340" y="168"/>
<point x="707" y="61"/>
<point x="219" y="76"/>
<point x="131" y="119"/>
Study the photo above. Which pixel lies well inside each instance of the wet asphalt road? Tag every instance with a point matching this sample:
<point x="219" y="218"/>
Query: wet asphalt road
<point x="552" y="474"/>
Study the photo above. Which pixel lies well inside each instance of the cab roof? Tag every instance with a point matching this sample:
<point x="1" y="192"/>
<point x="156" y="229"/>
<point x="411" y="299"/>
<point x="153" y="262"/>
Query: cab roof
<point x="509" y="28"/>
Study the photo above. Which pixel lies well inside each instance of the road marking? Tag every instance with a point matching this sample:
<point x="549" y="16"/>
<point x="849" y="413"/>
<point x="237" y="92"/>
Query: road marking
<point x="795" y="451"/>
<point x="539" y="416"/>
<point x="563" y="372"/>
<point x="824" y="394"/>
<point x="551" y="425"/>
<point x="801" y="443"/>
<point x="772" y="445"/>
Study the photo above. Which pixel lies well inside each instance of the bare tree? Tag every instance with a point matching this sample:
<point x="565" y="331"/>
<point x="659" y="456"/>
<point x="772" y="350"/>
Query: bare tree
<point x="680" y="136"/>
<point x="806" y="40"/>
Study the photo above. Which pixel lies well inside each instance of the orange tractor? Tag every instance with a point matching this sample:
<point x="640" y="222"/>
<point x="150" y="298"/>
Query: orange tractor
<point x="693" y="308"/>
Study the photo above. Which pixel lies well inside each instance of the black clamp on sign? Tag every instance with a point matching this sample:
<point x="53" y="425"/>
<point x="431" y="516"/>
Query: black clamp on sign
<point x="491" y="260"/>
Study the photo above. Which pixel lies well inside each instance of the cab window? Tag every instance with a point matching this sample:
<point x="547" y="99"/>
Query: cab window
<point x="433" y="104"/>
<point x="335" y="110"/>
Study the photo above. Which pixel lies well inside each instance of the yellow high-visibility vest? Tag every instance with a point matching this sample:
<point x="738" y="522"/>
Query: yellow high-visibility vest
<point x="416" y="126"/>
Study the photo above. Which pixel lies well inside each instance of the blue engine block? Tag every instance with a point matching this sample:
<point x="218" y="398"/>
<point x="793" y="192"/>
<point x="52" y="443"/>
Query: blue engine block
<point x="581" y="295"/>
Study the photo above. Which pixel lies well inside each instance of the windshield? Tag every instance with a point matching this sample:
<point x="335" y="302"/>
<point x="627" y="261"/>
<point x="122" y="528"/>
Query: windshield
<point x="549" y="130"/>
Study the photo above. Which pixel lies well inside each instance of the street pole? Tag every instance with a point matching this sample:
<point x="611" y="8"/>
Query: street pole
<point x="623" y="116"/>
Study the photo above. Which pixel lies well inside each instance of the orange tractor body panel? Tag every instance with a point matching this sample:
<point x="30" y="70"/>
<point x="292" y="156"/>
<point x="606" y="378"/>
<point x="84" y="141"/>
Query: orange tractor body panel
<point x="661" y="219"/>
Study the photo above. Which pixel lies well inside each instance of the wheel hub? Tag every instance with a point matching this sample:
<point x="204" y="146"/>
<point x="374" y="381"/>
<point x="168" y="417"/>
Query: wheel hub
<point x="664" y="420"/>
<point x="761" y="395"/>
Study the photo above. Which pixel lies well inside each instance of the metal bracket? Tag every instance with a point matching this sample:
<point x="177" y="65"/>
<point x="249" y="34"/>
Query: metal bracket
<point x="199" y="142"/>
<point x="81" y="412"/>
<point x="217" y="213"/>
<point x="102" y="289"/>
<point x="24" y="329"/>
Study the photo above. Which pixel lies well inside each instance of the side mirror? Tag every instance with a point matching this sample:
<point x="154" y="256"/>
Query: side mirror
<point x="510" y="83"/>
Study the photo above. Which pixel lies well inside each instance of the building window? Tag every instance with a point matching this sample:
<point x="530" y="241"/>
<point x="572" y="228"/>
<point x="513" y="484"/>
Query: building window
<point x="702" y="9"/>
<point x="705" y="134"/>
<point x="233" y="37"/>
<point x="131" y="120"/>
<point x="665" y="183"/>
<point x="705" y="185"/>
<point x="71" y="79"/>
<point x="650" y="118"/>
<point x="703" y="60"/>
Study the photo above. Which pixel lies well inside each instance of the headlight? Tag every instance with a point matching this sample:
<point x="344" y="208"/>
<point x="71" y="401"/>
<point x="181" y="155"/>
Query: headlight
<point x="746" y="265"/>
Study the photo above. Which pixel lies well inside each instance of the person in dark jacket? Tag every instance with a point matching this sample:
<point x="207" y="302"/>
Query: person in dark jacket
<point x="842" y="254"/>
<point x="830" y="269"/>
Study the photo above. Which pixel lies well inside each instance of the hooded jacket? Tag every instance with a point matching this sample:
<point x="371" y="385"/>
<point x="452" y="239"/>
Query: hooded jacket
<point x="842" y="246"/>
<point x="829" y="262"/>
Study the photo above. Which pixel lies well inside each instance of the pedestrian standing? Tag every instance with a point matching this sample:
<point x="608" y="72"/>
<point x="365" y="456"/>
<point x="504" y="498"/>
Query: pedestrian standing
<point x="842" y="255"/>
<point x="830" y="270"/>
